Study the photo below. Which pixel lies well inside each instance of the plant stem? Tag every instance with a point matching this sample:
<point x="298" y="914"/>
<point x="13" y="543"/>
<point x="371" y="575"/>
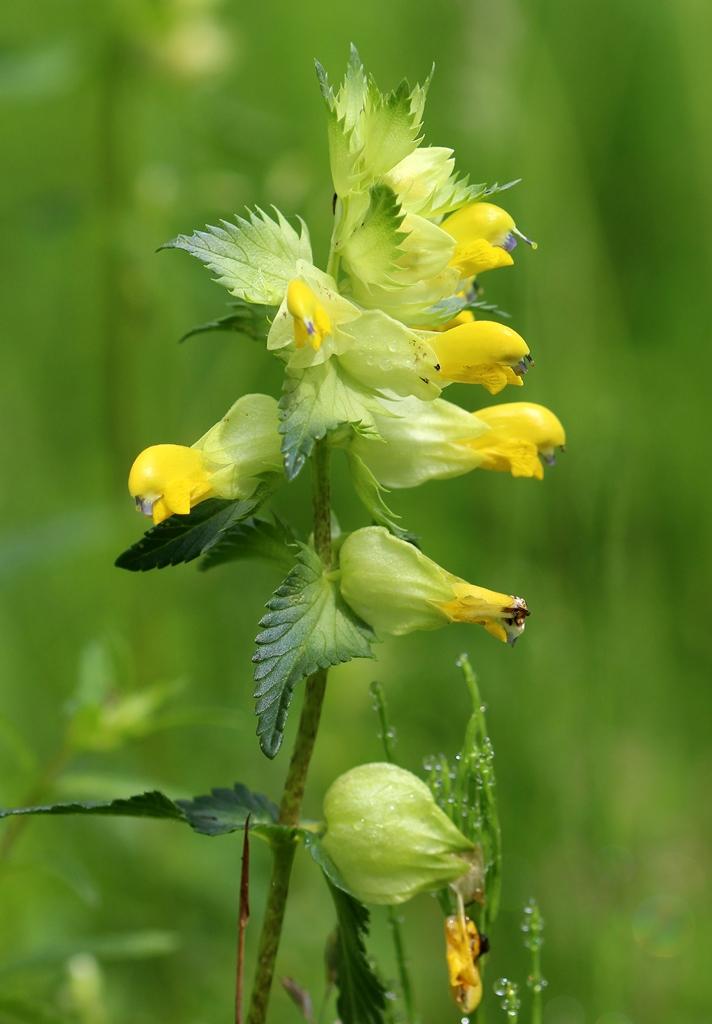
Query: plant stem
<point x="290" y="806"/>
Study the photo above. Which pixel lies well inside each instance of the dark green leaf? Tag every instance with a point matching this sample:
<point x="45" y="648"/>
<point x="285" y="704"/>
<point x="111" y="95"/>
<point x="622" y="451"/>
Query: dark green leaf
<point x="362" y="996"/>
<point x="307" y="627"/>
<point x="182" y="538"/>
<point x="313" y="403"/>
<point x="253" y="538"/>
<point x="249" y="318"/>
<point x="222" y="811"/>
<point x="225" y="810"/>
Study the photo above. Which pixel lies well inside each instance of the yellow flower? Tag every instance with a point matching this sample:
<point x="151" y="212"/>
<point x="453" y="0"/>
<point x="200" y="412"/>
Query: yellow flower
<point x="227" y="462"/>
<point x="520" y="432"/>
<point x="502" y="615"/>
<point x="463" y="948"/>
<point x="311" y="321"/>
<point x="485" y="235"/>
<point x="167" y="479"/>
<point x="397" y="589"/>
<point x="482" y="352"/>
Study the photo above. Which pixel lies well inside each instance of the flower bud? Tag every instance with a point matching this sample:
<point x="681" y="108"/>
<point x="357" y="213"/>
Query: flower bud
<point x="227" y="462"/>
<point x="388" y="838"/>
<point x="482" y="352"/>
<point x="397" y="589"/>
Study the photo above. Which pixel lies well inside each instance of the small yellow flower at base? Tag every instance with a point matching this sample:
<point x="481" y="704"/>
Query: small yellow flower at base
<point x="463" y="948"/>
<point x="520" y="432"/>
<point x="502" y="615"/>
<point x="482" y="352"/>
<point x="168" y="478"/>
<point x="311" y="321"/>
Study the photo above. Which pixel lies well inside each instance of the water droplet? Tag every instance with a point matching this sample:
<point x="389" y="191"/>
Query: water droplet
<point x="501" y="986"/>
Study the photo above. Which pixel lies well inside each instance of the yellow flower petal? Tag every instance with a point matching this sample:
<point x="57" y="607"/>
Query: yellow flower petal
<point x="476" y="257"/>
<point x="166" y="479"/>
<point x="503" y="615"/>
<point x="311" y="321"/>
<point x="519" y="433"/>
<point x="462" y="950"/>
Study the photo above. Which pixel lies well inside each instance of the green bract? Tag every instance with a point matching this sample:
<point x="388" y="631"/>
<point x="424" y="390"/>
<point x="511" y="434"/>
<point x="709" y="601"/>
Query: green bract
<point x="388" y="838"/>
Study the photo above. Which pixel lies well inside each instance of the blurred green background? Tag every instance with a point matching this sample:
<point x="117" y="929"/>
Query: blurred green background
<point x="124" y="124"/>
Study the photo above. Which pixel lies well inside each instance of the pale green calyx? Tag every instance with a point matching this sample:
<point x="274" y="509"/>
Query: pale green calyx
<point x="387" y="837"/>
<point x="420" y="441"/>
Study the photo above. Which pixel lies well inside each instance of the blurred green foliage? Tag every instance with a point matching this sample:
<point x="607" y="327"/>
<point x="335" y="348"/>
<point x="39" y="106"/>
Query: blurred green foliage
<point x="126" y="123"/>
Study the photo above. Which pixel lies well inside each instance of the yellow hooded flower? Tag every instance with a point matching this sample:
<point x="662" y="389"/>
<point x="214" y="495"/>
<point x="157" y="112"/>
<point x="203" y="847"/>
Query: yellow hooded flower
<point x="485" y="235"/>
<point x="397" y="589"/>
<point x="482" y="352"/>
<point x="520" y="433"/>
<point x="463" y="948"/>
<point x="227" y="462"/>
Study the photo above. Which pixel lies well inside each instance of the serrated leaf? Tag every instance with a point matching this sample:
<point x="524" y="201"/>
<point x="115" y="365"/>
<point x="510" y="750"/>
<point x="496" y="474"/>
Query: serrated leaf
<point x="370" y="494"/>
<point x="249" y="318"/>
<point x="307" y="627"/>
<point x="225" y="810"/>
<point x="313" y="403"/>
<point x="390" y="127"/>
<point x="180" y="539"/>
<point x="361" y="994"/>
<point x="254" y="258"/>
<point x="253" y="538"/>
<point x="371" y="252"/>
<point x="218" y="813"/>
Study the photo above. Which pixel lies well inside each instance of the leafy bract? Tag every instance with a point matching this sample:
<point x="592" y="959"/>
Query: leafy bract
<point x="254" y="258"/>
<point x="253" y="538"/>
<point x="307" y="627"/>
<point x="361" y="994"/>
<point x="251" y="319"/>
<point x="314" y="402"/>
<point x="371" y="251"/>
<point x="220" y="812"/>
<point x="182" y="538"/>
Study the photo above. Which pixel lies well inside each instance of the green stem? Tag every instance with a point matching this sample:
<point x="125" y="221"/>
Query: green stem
<point x="293" y="793"/>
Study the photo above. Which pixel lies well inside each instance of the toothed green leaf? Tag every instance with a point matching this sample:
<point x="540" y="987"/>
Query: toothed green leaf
<point x="254" y="258"/>
<point x="307" y="627"/>
<point x="361" y="993"/>
<point x="390" y="127"/>
<point x="370" y="494"/>
<point x="253" y="538"/>
<point x="180" y="539"/>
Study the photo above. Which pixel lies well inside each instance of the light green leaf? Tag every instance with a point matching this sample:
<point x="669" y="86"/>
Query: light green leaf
<point x="372" y="250"/>
<point x="254" y="258"/>
<point x="307" y="627"/>
<point x="253" y="538"/>
<point x="314" y="402"/>
<point x="362" y="995"/>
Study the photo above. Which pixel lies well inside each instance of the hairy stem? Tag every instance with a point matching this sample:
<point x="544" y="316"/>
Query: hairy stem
<point x="293" y="793"/>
